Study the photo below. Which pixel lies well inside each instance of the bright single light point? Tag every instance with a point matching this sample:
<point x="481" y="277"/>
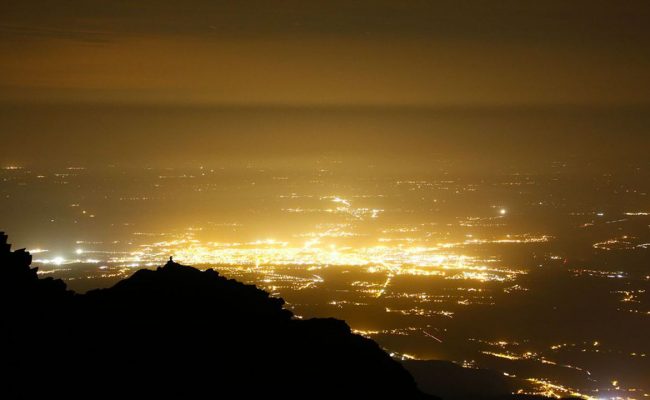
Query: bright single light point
<point x="503" y="211"/>
<point x="79" y="251"/>
<point x="58" y="260"/>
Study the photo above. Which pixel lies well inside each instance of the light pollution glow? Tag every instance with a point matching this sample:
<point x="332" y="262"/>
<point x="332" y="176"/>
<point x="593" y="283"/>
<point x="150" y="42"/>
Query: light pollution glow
<point x="394" y="259"/>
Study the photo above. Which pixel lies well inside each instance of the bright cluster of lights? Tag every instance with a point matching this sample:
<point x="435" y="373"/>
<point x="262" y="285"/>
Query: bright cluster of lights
<point x="554" y="390"/>
<point x="424" y="261"/>
<point x="343" y="207"/>
<point x="620" y="243"/>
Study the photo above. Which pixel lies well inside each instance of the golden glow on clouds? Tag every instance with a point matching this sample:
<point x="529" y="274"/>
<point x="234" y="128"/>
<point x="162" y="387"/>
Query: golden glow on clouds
<point x="313" y="70"/>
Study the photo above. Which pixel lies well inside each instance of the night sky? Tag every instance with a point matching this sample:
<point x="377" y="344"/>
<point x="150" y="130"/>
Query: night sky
<point x="125" y="81"/>
<point x="415" y="53"/>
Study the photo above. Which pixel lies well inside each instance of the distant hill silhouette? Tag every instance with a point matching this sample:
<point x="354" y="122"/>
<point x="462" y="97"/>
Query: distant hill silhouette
<point x="177" y="332"/>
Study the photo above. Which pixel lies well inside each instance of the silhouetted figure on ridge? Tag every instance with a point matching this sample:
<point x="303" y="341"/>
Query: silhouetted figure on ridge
<point x="177" y="332"/>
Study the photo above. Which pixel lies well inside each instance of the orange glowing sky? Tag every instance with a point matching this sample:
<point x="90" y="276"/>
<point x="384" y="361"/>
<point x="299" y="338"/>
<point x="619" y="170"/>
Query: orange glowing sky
<point x="326" y="53"/>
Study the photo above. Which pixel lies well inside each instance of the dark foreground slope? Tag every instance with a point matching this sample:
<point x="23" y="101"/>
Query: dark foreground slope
<point x="177" y="332"/>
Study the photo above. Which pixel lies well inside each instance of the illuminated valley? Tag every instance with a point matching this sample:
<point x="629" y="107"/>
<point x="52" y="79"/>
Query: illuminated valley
<point x="474" y="269"/>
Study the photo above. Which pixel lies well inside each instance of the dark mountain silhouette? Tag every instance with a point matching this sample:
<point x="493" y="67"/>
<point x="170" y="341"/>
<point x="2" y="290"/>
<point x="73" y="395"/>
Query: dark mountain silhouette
<point x="177" y="332"/>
